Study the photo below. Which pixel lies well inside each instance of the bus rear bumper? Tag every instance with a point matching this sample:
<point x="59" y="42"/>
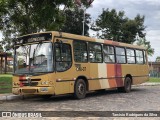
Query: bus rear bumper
<point x="33" y="90"/>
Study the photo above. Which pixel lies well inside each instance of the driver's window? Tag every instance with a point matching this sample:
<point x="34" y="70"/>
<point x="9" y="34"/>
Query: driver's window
<point x="22" y="56"/>
<point x="63" y="56"/>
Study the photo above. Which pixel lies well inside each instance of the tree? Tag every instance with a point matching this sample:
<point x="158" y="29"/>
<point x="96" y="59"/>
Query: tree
<point x="1" y="48"/>
<point x="158" y="59"/>
<point x="115" y="26"/>
<point x="73" y="22"/>
<point x="19" y="17"/>
<point x="143" y="42"/>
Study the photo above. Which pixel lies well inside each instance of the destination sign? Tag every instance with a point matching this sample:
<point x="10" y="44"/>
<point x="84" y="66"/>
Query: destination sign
<point x="33" y="38"/>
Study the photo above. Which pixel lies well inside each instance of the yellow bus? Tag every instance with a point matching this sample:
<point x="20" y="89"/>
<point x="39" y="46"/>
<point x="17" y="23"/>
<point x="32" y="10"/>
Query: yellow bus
<point x="54" y="63"/>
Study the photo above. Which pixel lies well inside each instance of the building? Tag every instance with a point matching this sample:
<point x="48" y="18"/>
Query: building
<point x="6" y="63"/>
<point x="154" y="68"/>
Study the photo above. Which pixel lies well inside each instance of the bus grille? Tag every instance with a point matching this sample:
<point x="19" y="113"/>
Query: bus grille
<point x="28" y="90"/>
<point x="28" y="83"/>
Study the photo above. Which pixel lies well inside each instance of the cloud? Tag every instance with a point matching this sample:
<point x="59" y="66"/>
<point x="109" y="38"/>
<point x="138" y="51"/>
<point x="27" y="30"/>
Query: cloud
<point x="154" y="37"/>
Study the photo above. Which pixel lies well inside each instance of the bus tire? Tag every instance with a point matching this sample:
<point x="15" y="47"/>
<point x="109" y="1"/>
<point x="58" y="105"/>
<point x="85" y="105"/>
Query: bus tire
<point x="127" y="85"/>
<point x="80" y="89"/>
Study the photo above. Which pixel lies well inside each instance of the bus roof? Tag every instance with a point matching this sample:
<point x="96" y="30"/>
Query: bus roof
<point x="85" y="38"/>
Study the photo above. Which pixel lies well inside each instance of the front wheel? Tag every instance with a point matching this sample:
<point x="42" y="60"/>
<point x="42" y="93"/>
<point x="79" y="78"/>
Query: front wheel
<point x="80" y="89"/>
<point x="127" y="85"/>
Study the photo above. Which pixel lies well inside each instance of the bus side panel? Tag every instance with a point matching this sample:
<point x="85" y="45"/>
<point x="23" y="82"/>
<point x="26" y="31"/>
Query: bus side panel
<point x="114" y="72"/>
<point x="142" y="75"/>
<point x="129" y="69"/>
<point x="93" y="79"/>
<point x="111" y="75"/>
<point x="139" y="73"/>
<point x="98" y="75"/>
<point x="82" y="71"/>
<point x="118" y="75"/>
<point x="102" y="74"/>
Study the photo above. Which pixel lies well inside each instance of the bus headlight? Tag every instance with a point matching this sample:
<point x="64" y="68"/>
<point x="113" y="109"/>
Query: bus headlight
<point x="44" y="82"/>
<point x="15" y="84"/>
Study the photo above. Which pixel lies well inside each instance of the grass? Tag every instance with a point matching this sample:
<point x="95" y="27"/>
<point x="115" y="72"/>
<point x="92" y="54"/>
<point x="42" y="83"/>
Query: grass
<point x="154" y="79"/>
<point x="5" y="83"/>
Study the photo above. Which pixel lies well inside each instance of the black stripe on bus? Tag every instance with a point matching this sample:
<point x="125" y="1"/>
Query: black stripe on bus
<point x="100" y="78"/>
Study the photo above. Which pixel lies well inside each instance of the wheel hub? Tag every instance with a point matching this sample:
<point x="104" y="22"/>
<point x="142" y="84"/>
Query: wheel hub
<point x="81" y="89"/>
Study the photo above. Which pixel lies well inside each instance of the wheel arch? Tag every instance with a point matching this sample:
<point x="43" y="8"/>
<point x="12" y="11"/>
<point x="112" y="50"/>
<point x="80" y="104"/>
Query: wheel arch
<point x="130" y="76"/>
<point x="85" y="79"/>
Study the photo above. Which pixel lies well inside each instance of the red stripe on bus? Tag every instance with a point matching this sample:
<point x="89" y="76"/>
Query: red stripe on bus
<point x="115" y="43"/>
<point x="111" y="42"/>
<point x="118" y="74"/>
<point x="111" y="73"/>
<point x="108" y="42"/>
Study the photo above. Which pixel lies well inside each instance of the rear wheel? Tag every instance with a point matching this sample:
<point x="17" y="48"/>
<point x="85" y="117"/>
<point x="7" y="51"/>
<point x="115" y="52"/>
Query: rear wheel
<point x="80" y="89"/>
<point x="127" y="85"/>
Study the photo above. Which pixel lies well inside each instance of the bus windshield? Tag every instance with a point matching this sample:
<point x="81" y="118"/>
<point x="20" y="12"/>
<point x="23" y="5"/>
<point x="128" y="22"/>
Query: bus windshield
<point x="35" y="58"/>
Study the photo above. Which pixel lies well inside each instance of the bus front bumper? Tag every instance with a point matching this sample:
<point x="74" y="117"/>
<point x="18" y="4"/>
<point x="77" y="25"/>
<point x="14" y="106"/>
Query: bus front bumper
<point x="33" y="90"/>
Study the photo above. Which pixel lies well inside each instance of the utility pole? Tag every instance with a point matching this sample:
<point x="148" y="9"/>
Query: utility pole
<point x="84" y="17"/>
<point x="83" y="7"/>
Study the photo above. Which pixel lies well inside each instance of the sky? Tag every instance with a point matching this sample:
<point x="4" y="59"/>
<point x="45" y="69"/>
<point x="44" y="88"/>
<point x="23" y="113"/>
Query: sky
<point x="149" y="8"/>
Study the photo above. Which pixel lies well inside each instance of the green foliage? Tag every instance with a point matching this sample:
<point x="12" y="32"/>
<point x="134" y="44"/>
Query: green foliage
<point x="158" y="59"/>
<point x="1" y="48"/>
<point x="115" y="26"/>
<point x="19" y="17"/>
<point x="154" y="80"/>
<point x="143" y="42"/>
<point x="5" y="83"/>
<point x="74" y="22"/>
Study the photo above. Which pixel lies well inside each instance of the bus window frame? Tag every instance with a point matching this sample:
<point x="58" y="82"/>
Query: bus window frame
<point x="83" y="41"/>
<point x="131" y="56"/>
<point x="109" y="54"/>
<point x="97" y="43"/>
<point x="142" y="57"/>
<point x="121" y="55"/>
<point x="55" y="61"/>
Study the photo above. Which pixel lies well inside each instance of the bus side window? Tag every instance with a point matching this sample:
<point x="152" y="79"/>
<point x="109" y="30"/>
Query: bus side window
<point x="108" y="54"/>
<point x="95" y="53"/>
<point x="130" y="56"/>
<point x="80" y="51"/>
<point x="120" y="55"/>
<point x="139" y="57"/>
